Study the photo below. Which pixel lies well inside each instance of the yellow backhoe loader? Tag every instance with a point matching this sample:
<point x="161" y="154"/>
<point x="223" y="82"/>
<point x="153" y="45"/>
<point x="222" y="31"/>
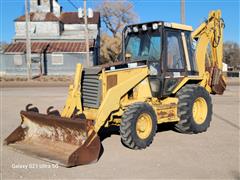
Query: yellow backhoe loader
<point x="166" y="74"/>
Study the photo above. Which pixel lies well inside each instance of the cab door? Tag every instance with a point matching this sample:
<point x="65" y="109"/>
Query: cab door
<point x="174" y="63"/>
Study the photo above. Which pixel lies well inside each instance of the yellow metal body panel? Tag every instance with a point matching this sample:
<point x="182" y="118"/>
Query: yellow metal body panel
<point x="90" y="113"/>
<point x="141" y="93"/>
<point x="181" y="26"/>
<point x="142" y="90"/>
<point x="184" y="81"/>
<point x="166" y="110"/>
<point x="204" y="83"/>
<point x="127" y="79"/>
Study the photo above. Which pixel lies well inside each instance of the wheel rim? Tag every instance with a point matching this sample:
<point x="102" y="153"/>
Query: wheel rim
<point x="144" y="126"/>
<point x="200" y="110"/>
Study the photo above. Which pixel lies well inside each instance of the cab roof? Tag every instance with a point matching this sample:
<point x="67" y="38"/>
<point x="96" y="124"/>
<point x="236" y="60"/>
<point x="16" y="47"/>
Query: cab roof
<point x="166" y="24"/>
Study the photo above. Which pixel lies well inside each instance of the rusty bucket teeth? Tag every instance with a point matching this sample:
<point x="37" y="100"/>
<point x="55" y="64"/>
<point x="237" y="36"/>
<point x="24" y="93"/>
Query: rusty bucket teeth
<point x="64" y="141"/>
<point x="32" y="108"/>
<point x="50" y="111"/>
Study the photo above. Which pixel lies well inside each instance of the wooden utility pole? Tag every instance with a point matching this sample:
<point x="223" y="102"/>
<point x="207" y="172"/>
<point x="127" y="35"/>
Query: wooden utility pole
<point x="28" y="42"/>
<point x="86" y="32"/>
<point x="183" y="11"/>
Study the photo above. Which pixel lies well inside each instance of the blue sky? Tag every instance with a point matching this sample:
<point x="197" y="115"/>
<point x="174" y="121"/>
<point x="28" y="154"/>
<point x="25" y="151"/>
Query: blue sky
<point x="148" y="10"/>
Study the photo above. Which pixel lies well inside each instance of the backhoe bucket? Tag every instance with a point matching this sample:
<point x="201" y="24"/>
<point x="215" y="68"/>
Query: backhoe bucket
<point x="67" y="142"/>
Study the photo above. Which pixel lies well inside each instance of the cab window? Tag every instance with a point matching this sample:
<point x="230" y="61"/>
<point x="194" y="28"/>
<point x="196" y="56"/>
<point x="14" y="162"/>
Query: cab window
<point x="175" y="59"/>
<point x="145" y="45"/>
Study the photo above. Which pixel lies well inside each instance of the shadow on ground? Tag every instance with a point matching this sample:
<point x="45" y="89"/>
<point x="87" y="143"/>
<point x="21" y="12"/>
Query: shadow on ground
<point x="105" y="133"/>
<point x="114" y="130"/>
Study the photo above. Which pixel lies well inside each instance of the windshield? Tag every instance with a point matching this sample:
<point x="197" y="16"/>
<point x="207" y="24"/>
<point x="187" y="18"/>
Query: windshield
<point x="143" y="46"/>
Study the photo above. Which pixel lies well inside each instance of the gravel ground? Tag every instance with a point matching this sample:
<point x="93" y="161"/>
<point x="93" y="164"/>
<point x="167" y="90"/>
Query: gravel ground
<point x="210" y="155"/>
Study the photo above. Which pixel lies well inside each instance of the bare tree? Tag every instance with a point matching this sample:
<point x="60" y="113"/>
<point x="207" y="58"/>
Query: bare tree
<point x="110" y="48"/>
<point x="231" y="54"/>
<point x="3" y="46"/>
<point x="115" y="16"/>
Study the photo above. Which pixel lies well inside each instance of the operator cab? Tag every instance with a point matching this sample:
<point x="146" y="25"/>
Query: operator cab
<point x="167" y="50"/>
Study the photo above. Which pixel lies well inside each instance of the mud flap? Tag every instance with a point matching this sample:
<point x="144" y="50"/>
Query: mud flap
<point x="67" y="142"/>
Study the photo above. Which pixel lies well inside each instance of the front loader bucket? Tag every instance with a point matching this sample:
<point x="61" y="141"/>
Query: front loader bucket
<point x="67" y="142"/>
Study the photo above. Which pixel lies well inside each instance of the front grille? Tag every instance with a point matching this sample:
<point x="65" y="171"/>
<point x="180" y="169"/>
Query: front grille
<point x="91" y="90"/>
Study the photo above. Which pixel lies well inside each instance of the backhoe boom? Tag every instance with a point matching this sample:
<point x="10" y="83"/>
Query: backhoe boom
<point x="209" y="37"/>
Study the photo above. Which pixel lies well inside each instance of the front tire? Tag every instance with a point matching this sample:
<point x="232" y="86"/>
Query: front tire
<point x="194" y="109"/>
<point x="138" y="126"/>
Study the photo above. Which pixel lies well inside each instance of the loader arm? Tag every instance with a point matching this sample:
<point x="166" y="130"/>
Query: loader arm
<point x="210" y="34"/>
<point x="74" y="96"/>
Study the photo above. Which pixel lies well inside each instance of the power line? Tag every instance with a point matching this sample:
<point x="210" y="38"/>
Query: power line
<point x="72" y="4"/>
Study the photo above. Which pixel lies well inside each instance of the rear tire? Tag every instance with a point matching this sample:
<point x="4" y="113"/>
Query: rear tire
<point x="194" y="109"/>
<point x="138" y="126"/>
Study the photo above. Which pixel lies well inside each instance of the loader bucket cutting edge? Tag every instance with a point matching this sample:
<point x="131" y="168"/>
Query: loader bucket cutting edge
<point x="64" y="141"/>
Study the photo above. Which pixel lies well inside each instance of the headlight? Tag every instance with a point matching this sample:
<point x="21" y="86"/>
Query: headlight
<point x="135" y="29"/>
<point x="167" y="24"/>
<point x="155" y="26"/>
<point x="129" y="30"/>
<point x="144" y="27"/>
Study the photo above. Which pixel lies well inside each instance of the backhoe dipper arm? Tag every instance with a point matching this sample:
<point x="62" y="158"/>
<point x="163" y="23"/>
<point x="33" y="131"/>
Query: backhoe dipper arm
<point x="210" y="35"/>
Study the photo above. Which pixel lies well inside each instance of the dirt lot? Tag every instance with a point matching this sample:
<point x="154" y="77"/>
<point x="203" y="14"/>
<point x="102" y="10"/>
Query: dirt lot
<point x="211" y="155"/>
